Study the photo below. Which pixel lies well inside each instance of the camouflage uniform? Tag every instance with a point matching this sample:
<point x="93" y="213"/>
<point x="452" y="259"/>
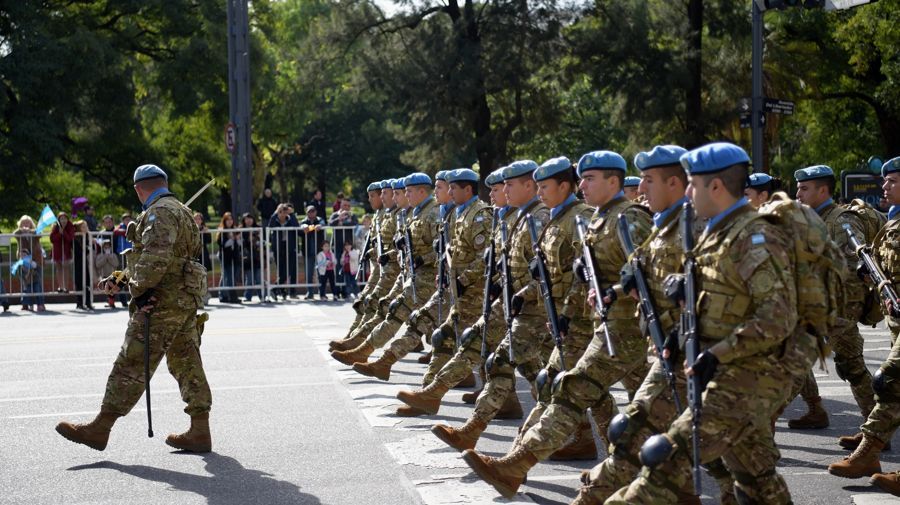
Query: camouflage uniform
<point x="746" y="311"/>
<point x="846" y="341"/>
<point x="885" y="416"/>
<point x="163" y="261"/>
<point x="422" y="223"/>
<point x="587" y="384"/>
<point x="361" y="303"/>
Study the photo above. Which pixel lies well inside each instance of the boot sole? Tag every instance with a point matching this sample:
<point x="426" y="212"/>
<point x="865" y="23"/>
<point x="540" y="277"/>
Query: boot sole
<point x="853" y="475"/>
<point x="369" y="373"/>
<point x="406" y="411"/>
<point x="483" y="471"/>
<point x="442" y="435"/>
<point x="887" y="488"/>
<point x="70" y="437"/>
<point x="190" y="448"/>
<point x="412" y="401"/>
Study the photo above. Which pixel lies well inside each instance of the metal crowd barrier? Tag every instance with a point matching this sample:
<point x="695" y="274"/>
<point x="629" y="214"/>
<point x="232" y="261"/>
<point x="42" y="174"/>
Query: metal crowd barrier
<point x="241" y="262"/>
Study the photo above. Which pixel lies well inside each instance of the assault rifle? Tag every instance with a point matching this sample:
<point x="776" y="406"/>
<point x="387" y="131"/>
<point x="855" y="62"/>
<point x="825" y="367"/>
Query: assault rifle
<point x="691" y="341"/>
<point x="648" y="309"/>
<point x="407" y="246"/>
<point x="445" y="234"/>
<point x="882" y="284"/>
<point x="546" y="288"/>
<point x="442" y="269"/>
<point x="507" y="292"/>
<point x="590" y="273"/>
<point x="490" y="269"/>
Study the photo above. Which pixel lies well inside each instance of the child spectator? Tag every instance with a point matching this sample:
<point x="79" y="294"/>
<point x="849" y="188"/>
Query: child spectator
<point x="349" y="267"/>
<point x="29" y="245"/>
<point x="326" y="263"/>
<point x="106" y="262"/>
<point x="30" y="276"/>
<point x="251" y="257"/>
<point x="62" y="238"/>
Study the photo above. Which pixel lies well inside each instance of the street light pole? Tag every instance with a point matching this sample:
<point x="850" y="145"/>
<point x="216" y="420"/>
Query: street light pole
<point x="239" y="105"/>
<point x="757" y="117"/>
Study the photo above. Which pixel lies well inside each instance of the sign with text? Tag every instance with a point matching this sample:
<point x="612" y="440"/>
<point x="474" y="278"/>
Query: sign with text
<point x="863" y="185"/>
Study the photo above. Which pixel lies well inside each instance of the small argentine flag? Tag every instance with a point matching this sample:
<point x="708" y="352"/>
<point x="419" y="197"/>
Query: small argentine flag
<point x="24" y="262"/>
<point x="47" y="219"/>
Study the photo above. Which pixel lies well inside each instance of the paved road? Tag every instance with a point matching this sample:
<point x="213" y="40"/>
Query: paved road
<point x="290" y="425"/>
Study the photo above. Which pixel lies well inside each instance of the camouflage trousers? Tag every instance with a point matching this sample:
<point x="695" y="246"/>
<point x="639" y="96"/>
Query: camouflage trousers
<point x="801" y="352"/>
<point x="370" y="310"/>
<point x="402" y="305"/>
<point x="173" y="334"/>
<point x="468" y="356"/>
<point x="849" y="362"/>
<point x="531" y="346"/>
<point x="650" y="412"/>
<point x="737" y="408"/>
<point x="585" y="386"/>
<point x="885" y="417"/>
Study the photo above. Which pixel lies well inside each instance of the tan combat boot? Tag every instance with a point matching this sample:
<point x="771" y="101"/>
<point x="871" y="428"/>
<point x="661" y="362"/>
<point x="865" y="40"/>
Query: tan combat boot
<point x="862" y="463"/>
<point x="407" y="411"/>
<point x="851" y="442"/>
<point x="345" y="344"/>
<point x="94" y="434"/>
<point x="815" y="419"/>
<point x="463" y="438"/>
<point x="506" y="474"/>
<point x="380" y="368"/>
<point x="582" y="446"/>
<point x="358" y="354"/>
<point x="511" y="408"/>
<point x="471" y="397"/>
<point x="427" y="399"/>
<point x="196" y="438"/>
<point x="889" y="482"/>
<point x="468" y="382"/>
<point x="425" y="358"/>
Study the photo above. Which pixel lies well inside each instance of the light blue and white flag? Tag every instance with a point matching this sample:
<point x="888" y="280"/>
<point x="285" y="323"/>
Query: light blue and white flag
<point x="26" y="262"/>
<point x="47" y="219"/>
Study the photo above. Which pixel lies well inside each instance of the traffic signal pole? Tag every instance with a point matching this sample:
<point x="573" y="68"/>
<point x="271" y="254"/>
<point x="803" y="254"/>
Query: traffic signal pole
<point x="239" y="106"/>
<point x="757" y="117"/>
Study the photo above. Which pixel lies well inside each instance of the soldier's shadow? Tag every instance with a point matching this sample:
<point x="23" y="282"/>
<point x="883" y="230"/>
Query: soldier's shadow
<point x="229" y="483"/>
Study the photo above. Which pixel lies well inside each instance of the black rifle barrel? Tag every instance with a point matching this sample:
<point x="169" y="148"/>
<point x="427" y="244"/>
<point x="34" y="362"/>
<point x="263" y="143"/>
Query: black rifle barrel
<point x="882" y="284"/>
<point x="691" y="340"/>
<point x="590" y="270"/>
<point x="546" y="289"/>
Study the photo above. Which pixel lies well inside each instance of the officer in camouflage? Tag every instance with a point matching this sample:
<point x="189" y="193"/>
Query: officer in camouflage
<point x="468" y="356"/>
<point x="631" y="187"/>
<point x="747" y="309"/>
<point x="652" y="409"/>
<point x="528" y="336"/>
<point x="167" y="284"/>
<point x="882" y="422"/>
<point x="371" y="254"/>
<point x="417" y="284"/>
<point x="388" y="271"/>
<point x="815" y="185"/>
<point x="587" y="384"/>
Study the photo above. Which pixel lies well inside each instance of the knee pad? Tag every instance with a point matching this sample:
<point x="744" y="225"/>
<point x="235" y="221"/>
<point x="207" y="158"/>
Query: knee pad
<point x="395" y="306"/>
<point x="468" y="335"/>
<point x="494" y="362"/>
<point x="878" y="382"/>
<point x="383" y="305"/>
<point x="557" y="382"/>
<point x="656" y="450"/>
<point x="617" y="427"/>
<point x="842" y="369"/>
<point x="544" y="386"/>
<point x="413" y="319"/>
<point x="439" y="336"/>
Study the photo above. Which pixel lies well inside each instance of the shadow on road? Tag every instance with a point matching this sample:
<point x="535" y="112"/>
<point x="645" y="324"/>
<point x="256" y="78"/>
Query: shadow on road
<point x="229" y="483"/>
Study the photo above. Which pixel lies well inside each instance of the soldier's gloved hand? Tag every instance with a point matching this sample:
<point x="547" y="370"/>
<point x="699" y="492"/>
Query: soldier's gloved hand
<point x="579" y="268"/>
<point x="534" y="269"/>
<point x="400" y="242"/>
<point x="626" y="278"/>
<point x="563" y="324"/>
<point x="384" y="259"/>
<point x="145" y="302"/>
<point x="494" y="291"/>
<point x="704" y="367"/>
<point x="862" y="271"/>
<point x="609" y="296"/>
<point x="516" y="304"/>
<point x="437" y="245"/>
<point x="673" y="287"/>
<point x="418" y="261"/>
<point x="670" y="348"/>
<point x="460" y="289"/>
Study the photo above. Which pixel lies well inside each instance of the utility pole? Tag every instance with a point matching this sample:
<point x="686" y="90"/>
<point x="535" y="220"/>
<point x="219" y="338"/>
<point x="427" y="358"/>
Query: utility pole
<point x="238" y="129"/>
<point x="757" y="117"/>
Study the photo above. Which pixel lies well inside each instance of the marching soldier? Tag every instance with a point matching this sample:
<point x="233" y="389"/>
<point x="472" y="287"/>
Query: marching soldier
<point x="587" y="384"/>
<point x="468" y="356"/>
<point x="167" y="284"/>
<point x="529" y="323"/>
<point x="370" y="254"/>
<point x="388" y="271"/>
<point x="631" y="187"/>
<point x="815" y="185"/>
<point x="746" y="310"/>
<point x="419" y="259"/>
<point x="881" y="423"/>
<point x="760" y="188"/>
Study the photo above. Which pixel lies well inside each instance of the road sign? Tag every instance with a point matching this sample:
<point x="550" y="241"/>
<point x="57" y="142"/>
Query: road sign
<point x="230" y="137"/>
<point x="836" y="5"/>
<point x="779" y="106"/>
<point x="863" y="185"/>
<point x="745" y="120"/>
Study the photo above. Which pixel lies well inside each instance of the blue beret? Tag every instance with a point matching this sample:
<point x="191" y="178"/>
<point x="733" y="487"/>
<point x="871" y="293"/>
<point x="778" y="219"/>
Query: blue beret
<point x="713" y="158"/>
<point x="397" y="184"/>
<point x="441" y="175"/>
<point x="757" y="180"/>
<point x="814" y="172"/>
<point x="462" y="175"/>
<point x="552" y="167"/>
<point x="148" y="172"/>
<point x="519" y="168"/>
<point x="891" y="166"/>
<point x="385" y="184"/>
<point x="417" y="179"/>
<point x="495" y="177"/>
<point x="632" y="181"/>
<point x="601" y="160"/>
<point x="659" y="156"/>
<point x="375" y="186"/>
